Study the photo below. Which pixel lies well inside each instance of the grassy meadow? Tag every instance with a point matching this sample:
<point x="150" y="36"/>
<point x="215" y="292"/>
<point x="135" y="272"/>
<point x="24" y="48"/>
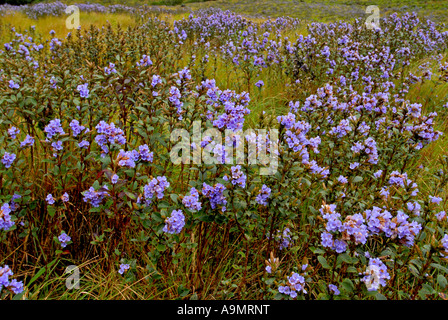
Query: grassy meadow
<point x="215" y="260"/>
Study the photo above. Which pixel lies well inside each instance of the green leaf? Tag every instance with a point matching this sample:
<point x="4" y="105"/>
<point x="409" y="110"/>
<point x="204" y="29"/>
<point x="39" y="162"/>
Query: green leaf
<point x="441" y="280"/>
<point x="347" y="259"/>
<point x="161" y="247"/>
<point x="357" y="179"/>
<point x="323" y="262"/>
<point x="439" y="267"/>
<point x="18" y="296"/>
<point x="51" y="210"/>
<point x="379" y="296"/>
<point x="36" y="276"/>
<point x="348" y="285"/>
<point x="174" y="197"/>
<point x="163" y="204"/>
<point x="428" y="288"/>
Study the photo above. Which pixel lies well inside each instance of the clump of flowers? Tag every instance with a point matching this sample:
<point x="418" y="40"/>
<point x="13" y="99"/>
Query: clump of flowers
<point x="334" y="289"/>
<point x="64" y="239"/>
<point x="375" y="275"/>
<point x="8" y="159"/>
<point x="175" y="222"/>
<point x="95" y="197"/>
<point x="123" y="268"/>
<point x="5" y="219"/>
<point x="5" y="282"/>
<point x="53" y="128"/>
<point x="13" y="132"/>
<point x="215" y="194"/>
<point x="238" y="177"/>
<point x="192" y="201"/>
<point x="108" y="134"/>
<point x="263" y="195"/>
<point x="295" y="285"/>
<point x="155" y="187"/>
<point x="83" y="90"/>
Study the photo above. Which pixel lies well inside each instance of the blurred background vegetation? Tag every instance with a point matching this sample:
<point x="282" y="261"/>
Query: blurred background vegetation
<point x="320" y="10"/>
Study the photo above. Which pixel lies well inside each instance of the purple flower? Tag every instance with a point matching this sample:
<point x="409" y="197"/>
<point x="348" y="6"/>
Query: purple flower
<point x="57" y="146"/>
<point x="378" y="174"/>
<point x="83" y="90"/>
<point x="64" y="239"/>
<point x="259" y="83"/>
<point x="127" y="158"/>
<point x="375" y="275"/>
<point x="156" y="79"/>
<point x="192" y="201"/>
<point x="342" y="179"/>
<point x="334" y="289"/>
<point x="13" y="85"/>
<point x="155" y="187"/>
<point x="215" y="194"/>
<point x="65" y="197"/>
<point x="5" y="218"/>
<point x="76" y="127"/>
<point x="95" y="197"/>
<point x="238" y="177"/>
<point x="8" y="159"/>
<point x="28" y="142"/>
<point x="145" y="61"/>
<point x="123" y="268"/>
<point x="263" y="195"/>
<point x="13" y="132"/>
<point x="435" y="199"/>
<point x="13" y="285"/>
<point x="175" y="222"/>
<point x="174" y="98"/>
<point x="441" y="215"/>
<point x="50" y="199"/>
<point x="108" y="134"/>
<point x="110" y="69"/>
<point x="354" y="165"/>
<point x="53" y="128"/>
<point x="414" y="207"/>
<point x="84" y="144"/>
<point x="326" y="240"/>
<point x="144" y="153"/>
<point x="114" y="179"/>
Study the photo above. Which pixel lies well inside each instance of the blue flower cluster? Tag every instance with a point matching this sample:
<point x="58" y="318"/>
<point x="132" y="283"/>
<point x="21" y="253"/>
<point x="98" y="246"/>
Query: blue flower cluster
<point x="13" y="285"/>
<point x="192" y="201"/>
<point x="8" y="159"/>
<point x="95" y="197"/>
<point x="375" y="275"/>
<point x="358" y="227"/>
<point x="296" y="284"/>
<point x="216" y="195"/>
<point x="108" y="134"/>
<point x="175" y="222"/>
<point x="64" y="239"/>
<point x="263" y="195"/>
<point x="238" y="177"/>
<point x="5" y="218"/>
<point x="123" y="268"/>
<point x="156" y="187"/>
